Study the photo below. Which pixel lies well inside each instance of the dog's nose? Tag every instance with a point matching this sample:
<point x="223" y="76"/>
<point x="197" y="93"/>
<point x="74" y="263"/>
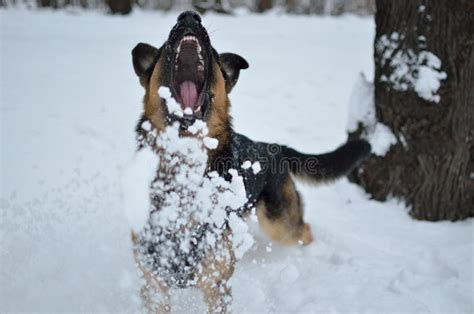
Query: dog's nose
<point x="189" y="17"/>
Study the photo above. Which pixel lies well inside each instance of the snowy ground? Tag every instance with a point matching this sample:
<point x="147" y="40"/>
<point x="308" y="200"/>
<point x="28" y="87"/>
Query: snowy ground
<point x="69" y="102"/>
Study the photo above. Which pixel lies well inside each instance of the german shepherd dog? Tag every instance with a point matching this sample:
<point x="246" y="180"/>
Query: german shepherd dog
<point x="201" y="79"/>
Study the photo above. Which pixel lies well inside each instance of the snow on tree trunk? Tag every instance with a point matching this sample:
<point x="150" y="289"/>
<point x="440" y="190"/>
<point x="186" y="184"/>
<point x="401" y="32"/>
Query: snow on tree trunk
<point x="424" y="95"/>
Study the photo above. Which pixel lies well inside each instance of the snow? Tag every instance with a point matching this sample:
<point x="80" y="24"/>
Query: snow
<point x="69" y="105"/>
<point x="242" y="240"/>
<point x="246" y="165"/>
<point x="173" y="106"/>
<point x="381" y="139"/>
<point x="361" y="105"/>
<point x="420" y="72"/>
<point x="135" y="180"/>
<point x="210" y="142"/>
<point x="256" y="167"/>
<point x="429" y="76"/>
<point x="362" y="113"/>
<point x="188" y="111"/>
<point x="199" y="126"/>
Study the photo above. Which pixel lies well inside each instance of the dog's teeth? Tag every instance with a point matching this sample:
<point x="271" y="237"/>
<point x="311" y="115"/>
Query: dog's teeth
<point x="189" y="37"/>
<point x="198" y="109"/>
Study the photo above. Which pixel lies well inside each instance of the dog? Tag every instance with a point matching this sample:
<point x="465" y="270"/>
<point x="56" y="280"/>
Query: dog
<point x="201" y="79"/>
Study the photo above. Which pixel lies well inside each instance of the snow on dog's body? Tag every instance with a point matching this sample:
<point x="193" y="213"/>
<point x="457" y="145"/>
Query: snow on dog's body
<point x="200" y="80"/>
<point x="189" y="208"/>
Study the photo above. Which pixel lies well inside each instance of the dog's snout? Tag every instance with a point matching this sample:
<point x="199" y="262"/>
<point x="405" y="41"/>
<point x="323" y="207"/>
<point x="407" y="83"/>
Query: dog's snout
<point x="189" y="17"/>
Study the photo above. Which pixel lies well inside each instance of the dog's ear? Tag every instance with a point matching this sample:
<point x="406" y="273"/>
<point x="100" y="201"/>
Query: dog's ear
<point x="231" y="64"/>
<point x="144" y="57"/>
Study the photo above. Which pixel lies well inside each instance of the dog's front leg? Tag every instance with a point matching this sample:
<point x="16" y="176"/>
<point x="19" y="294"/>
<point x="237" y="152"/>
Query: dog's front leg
<point x="153" y="288"/>
<point x="217" y="268"/>
<point x="155" y="296"/>
<point x="218" y="297"/>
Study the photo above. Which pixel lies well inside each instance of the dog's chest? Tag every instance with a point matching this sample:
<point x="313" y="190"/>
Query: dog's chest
<point x="188" y="214"/>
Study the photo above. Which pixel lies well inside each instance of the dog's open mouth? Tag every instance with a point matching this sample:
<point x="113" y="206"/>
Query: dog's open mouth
<point x="188" y="78"/>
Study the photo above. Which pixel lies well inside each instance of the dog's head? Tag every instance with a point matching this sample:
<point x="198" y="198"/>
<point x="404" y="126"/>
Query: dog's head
<point x="198" y="77"/>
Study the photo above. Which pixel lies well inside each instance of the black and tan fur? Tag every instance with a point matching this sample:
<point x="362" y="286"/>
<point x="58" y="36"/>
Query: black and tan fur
<point x="272" y="191"/>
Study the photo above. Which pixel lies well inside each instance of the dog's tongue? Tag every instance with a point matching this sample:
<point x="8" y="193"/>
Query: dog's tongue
<point x="188" y="94"/>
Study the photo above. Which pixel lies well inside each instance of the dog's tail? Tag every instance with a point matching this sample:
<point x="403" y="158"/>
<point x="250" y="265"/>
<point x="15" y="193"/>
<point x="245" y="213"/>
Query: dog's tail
<point x="329" y="166"/>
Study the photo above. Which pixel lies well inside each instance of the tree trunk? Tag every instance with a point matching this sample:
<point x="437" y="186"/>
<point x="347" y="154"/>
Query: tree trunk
<point x="431" y="165"/>
<point x="47" y="3"/>
<point x="264" y="5"/>
<point x="119" y="6"/>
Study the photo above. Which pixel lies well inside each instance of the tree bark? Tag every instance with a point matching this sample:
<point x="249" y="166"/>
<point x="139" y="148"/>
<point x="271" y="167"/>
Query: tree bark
<point x="431" y="166"/>
<point x="119" y="6"/>
<point x="47" y="3"/>
<point x="264" y="5"/>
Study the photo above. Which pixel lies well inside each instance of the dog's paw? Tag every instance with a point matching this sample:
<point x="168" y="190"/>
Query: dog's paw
<point x="307" y="235"/>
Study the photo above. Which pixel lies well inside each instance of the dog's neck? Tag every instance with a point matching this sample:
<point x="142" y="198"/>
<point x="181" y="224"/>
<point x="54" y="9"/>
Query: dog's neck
<point x="147" y="136"/>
